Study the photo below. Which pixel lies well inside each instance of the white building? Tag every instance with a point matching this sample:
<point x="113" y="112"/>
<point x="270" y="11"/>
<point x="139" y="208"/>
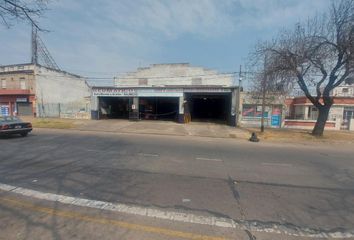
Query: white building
<point x="181" y="74"/>
<point x="177" y="92"/>
<point x="345" y="90"/>
<point x="302" y="113"/>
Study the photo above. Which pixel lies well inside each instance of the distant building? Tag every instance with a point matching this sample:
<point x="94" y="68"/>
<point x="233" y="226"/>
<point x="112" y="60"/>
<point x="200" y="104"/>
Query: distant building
<point x="345" y="90"/>
<point x="178" y="92"/>
<point x="29" y="89"/>
<point x="302" y="113"/>
<point x="251" y="110"/>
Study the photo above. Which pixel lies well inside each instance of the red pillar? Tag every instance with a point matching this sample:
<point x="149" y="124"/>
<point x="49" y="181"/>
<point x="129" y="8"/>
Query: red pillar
<point x="10" y="108"/>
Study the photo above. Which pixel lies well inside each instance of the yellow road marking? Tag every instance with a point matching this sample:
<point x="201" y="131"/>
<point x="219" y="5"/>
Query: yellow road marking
<point x="106" y="221"/>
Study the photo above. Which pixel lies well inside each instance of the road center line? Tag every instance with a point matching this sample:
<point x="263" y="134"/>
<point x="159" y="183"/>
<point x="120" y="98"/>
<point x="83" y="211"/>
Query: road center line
<point x="185" y="217"/>
<point x="148" y="155"/>
<point x="209" y="159"/>
<point x="278" y="164"/>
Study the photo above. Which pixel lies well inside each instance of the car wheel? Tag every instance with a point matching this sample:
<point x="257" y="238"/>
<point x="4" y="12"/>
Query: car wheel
<point x="24" y="134"/>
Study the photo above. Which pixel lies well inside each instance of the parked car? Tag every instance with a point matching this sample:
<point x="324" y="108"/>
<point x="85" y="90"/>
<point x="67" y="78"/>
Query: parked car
<point x="13" y="125"/>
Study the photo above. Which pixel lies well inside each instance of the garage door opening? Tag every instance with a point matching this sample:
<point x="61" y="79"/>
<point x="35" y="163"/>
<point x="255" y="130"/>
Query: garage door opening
<point x="158" y="108"/>
<point x="24" y="109"/>
<point x="114" y="107"/>
<point x="209" y="108"/>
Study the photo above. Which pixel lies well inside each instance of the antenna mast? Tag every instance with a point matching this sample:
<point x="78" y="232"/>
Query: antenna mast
<point x="40" y="53"/>
<point x="34" y="50"/>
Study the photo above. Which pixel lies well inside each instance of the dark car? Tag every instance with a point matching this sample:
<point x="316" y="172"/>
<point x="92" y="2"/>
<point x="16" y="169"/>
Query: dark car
<point x="13" y="125"/>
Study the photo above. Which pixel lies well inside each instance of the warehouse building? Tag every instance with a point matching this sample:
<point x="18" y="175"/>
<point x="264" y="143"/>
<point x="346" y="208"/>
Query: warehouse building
<point x="177" y="92"/>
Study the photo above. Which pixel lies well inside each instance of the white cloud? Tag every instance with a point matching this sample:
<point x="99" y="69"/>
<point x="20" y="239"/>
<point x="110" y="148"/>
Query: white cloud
<point x="277" y="13"/>
<point x="112" y="35"/>
<point x="170" y="18"/>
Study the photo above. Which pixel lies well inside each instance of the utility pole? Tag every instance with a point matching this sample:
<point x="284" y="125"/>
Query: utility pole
<point x="264" y="83"/>
<point x="239" y="95"/>
<point x="240" y="78"/>
<point x="263" y="101"/>
<point x="237" y="98"/>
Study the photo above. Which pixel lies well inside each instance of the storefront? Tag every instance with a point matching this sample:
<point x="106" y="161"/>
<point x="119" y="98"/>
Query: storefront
<point x="17" y="102"/>
<point x="180" y="104"/>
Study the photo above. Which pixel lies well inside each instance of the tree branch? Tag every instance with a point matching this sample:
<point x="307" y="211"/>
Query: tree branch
<point x="20" y="10"/>
<point x="304" y="88"/>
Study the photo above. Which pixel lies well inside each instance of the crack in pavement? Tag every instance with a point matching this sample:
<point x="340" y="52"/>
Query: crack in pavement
<point x="249" y="234"/>
<point x="231" y="184"/>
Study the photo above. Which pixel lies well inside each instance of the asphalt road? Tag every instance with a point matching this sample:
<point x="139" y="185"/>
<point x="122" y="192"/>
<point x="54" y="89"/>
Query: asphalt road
<point x="290" y="188"/>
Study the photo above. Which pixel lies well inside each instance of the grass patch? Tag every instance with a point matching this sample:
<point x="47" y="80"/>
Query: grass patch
<point x="53" y="123"/>
<point x="297" y="135"/>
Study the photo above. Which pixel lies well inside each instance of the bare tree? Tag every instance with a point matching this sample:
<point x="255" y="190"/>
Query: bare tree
<point x="318" y="53"/>
<point x="14" y="10"/>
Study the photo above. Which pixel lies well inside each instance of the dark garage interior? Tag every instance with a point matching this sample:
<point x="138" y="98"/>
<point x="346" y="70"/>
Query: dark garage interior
<point x="158" y="108"/>
<point x="211" y="108"/>
<point x="114" y="107"/>
<point x="200" y="107"/>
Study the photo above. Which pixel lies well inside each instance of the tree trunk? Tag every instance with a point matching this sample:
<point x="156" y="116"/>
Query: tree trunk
<point x="323" y="112"/>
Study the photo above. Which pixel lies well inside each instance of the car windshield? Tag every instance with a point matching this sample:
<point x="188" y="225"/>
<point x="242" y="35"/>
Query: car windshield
<point x="9" y="119"/>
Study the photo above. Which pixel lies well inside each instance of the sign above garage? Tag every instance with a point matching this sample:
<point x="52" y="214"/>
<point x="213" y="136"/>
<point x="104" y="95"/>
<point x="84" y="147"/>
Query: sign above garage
<point x="154" y="92"/>
<point x="160" y="92"/>
<point x="113" y="92"/>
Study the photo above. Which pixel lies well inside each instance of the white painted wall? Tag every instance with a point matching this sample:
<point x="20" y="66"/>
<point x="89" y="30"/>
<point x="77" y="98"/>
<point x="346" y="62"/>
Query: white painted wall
<point x="336" y="112"/>
<point x="59" y="87"/>
<point x="17" y="67"/>
<point x="173" y="74"/>
<point x="344" y="90"/>
<point x="351" y="126"/>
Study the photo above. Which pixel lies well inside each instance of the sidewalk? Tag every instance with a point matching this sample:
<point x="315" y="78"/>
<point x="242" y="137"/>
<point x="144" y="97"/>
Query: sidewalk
<point x="165" y="128"/>
<point x="204" y="129"/>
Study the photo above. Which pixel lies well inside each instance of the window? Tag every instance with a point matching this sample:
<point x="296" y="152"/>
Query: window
<point x="22" y="83"/>
<point x="20" y="67"/>
<point x="345" y="90"/>
<point x="3" y="83"/>
<point x="143" y="81"/>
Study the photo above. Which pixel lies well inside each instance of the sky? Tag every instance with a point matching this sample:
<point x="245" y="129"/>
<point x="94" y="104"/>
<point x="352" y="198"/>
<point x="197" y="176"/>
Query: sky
<point x="110" y="37"/>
